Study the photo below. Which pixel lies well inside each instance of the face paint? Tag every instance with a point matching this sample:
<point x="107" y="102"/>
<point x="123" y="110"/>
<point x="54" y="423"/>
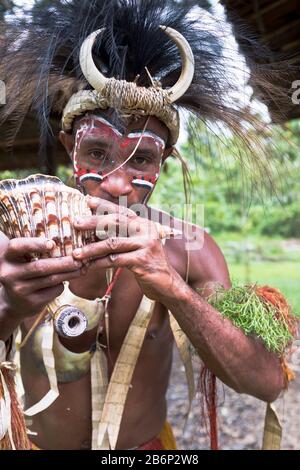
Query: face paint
<point x="144" y="181"/>
<point x="100" y="150"/>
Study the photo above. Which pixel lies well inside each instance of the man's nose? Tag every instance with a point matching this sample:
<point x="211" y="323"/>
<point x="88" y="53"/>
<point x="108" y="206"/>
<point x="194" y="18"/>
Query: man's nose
<point x="117" y="184"/>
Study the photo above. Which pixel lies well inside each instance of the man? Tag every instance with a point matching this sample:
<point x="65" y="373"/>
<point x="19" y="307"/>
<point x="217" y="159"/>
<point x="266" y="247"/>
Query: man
<point x="117" y="151"/>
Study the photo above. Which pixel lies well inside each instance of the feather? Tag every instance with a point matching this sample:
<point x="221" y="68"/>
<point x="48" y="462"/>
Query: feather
<point x="39" y="60"/>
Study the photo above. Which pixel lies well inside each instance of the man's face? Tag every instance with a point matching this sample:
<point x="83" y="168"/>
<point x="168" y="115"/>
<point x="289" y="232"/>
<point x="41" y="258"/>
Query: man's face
<point x="109" y="163"/>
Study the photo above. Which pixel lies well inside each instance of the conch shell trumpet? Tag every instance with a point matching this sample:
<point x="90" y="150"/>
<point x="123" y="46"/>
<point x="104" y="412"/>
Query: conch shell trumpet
<point x="42" y="206"/>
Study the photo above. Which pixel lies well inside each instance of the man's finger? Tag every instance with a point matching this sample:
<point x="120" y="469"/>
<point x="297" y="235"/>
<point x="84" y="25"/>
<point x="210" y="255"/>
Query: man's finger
<point x="120" y="260"/>
<point x="102" y="206"/>
<point x="99" y="223"/>
<point x="18" y="247"/>
<point x="117" y="225"/>
<point x="30" y="286"/>
<point x="87" y="223"/>
<point x="44" y="296"/>
<point x="49" y="266"/>
<point x="4" y="241"/>
<point x="108" y="246"/>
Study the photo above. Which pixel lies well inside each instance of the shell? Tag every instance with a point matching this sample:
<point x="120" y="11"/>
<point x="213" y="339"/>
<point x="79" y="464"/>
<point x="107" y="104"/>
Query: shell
<point x="70" y="322"/>
<point x="43" y="206"/>
<point x="4" y="418"/>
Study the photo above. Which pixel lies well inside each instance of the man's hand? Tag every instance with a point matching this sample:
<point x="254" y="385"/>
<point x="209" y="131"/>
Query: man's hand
<point x="138" y="249"/>
<point x="27" y="287"/>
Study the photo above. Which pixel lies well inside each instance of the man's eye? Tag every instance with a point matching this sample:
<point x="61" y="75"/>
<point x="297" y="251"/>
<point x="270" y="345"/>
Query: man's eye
<point x="97" y="154"/>
<point x="140" y="160"/>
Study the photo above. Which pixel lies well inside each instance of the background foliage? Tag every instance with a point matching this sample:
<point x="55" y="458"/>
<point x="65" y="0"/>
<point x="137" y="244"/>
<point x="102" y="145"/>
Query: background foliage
<point x="255" y="221"/>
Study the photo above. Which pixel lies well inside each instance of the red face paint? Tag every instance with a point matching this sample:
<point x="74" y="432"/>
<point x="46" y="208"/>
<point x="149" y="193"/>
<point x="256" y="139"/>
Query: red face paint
<point x="100" y="150"/>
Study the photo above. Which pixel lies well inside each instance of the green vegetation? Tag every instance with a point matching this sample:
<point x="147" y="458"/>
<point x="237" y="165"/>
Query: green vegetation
<point x="283" y="275"/>
<point x="264" y="260"/>
<point x="236" y="196"/>
<point x="247" y="311"/>
<point x="252" y="222"/>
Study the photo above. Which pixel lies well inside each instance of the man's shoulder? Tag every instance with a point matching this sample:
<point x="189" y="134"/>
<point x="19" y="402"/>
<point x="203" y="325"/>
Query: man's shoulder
<point x="202" y="248"/>
<point x="194" y="249"/>
<point x="206" y="261"/>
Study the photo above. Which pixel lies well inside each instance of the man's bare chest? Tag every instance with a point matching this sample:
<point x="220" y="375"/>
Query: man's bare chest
<point x="125" y="301"/>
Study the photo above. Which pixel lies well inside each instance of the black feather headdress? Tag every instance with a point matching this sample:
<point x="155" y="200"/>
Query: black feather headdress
<point x="40" y="61"/>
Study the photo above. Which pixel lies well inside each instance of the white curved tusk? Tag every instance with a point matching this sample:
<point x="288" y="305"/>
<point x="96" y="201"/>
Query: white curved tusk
<point x="188" y="63"/>
<point x="98" y="81"/>
<point x="88" y="67"/>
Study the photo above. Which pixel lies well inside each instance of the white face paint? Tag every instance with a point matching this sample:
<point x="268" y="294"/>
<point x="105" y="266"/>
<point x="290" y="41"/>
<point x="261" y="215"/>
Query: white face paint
<point x="98" y="119"/>
<point x="149" y="134"/>
<point x="101" y="149"/>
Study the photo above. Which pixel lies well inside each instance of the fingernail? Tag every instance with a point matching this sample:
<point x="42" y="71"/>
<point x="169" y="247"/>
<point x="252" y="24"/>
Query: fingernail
<point x="49" y="244"/>
<point x="77" y="252"/>
<point x="93" y="199"/>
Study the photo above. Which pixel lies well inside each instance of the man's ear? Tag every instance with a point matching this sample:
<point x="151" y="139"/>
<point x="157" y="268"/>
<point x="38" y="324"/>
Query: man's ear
<point x="67" y="141"/>
<point x="167" y="153"/>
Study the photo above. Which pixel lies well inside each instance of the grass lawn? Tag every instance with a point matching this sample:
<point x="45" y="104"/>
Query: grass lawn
<point x="275" y="266"/>
<point x="284" y="275"/>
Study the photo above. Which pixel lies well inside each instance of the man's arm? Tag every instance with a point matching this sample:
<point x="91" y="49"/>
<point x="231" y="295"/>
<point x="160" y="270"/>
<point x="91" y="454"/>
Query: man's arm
<point x="238" y="360"/>
<point x="241" y="362"/>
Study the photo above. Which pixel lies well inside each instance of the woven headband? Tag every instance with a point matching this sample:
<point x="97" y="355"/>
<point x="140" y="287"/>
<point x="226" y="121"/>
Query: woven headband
<point x="128" y="97"/>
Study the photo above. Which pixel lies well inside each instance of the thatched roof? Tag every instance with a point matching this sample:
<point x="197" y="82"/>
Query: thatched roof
<point x="276" y="23"/>
<point x="25" y="153"/>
